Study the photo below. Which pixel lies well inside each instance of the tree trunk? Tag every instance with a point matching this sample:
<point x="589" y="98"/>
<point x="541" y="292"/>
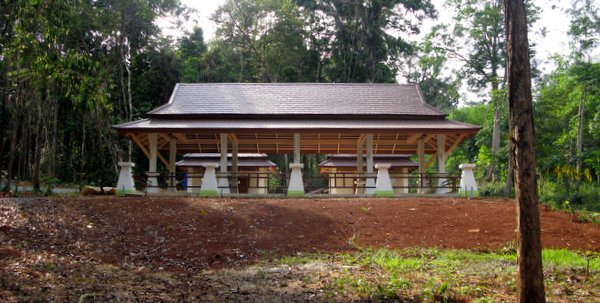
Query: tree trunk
<point x="510" y="176"/>
<point x="530" y="278"/>
<point x="579" y="144"/>
<point x="495" y="148"/>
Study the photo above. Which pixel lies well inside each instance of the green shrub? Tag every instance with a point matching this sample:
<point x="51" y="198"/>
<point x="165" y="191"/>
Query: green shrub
<point x="586" y="196"/>
<point x="495" y="189"/>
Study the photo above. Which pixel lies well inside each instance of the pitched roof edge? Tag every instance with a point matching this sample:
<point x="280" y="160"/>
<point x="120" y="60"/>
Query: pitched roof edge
<point x="422" y="97"/>
<point x="171" y="100"/>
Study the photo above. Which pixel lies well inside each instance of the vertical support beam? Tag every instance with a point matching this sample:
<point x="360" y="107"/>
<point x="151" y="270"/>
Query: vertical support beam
<point x="296" y="148"/>
<point x="152" y="174"/>
<point x="360" y="169"/>
<point x="441" y="163"/>
<point x="172" y="160"/>
<point x="421" y="153"/>
<point x="193" y="180"/>
<point x="234" y="163"/>
<point x="370" y="184"/>
<point x="223" y="181"/>
<point x="296" y="186"/>
<point x="360" y="165"/>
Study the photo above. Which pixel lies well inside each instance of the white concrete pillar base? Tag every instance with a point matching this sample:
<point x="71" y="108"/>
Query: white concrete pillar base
<point x="209" y="186"/>
<point x="125" y="184"/>
<point x="468" y="185"/>
<point x="152" y="183"/>
<point x="383" y="187"/>
<point x="296" y="186"/>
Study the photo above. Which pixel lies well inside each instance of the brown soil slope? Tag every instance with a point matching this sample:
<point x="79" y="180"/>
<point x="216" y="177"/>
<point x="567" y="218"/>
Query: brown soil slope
<point x="185" y="234"/>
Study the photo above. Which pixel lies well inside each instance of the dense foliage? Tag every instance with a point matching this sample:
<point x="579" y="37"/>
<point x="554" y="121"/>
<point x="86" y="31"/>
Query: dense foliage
<point x="70" y="69"/>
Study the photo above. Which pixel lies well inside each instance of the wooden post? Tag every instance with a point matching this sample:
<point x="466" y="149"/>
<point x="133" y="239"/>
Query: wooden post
<point x="296" y="148"/>
<point x="172" y="160"/>
<point x="370" y="184"/>
<point x="441" y="163"/>
<point x="152" y="174"/>
<point x="234" y="164"/>
<point x="421" y="152"/>
<point x="223" y="181"/>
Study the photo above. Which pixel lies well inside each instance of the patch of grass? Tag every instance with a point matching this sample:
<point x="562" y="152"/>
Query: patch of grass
<point x="440" y="275"/>
<point x="298" y="259"/>
<point x="566" y="259"/>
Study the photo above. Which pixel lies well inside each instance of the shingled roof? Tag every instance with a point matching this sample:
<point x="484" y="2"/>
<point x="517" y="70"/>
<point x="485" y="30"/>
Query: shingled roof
<point x="296" y="99"/>
<point x="331" y="118"/>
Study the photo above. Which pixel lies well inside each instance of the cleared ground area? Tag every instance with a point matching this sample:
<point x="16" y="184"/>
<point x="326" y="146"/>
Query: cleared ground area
<point x="177" y="249"/>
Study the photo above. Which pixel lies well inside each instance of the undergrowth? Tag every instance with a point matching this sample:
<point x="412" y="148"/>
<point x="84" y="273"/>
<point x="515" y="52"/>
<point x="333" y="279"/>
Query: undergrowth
<point x="442" y="275"/>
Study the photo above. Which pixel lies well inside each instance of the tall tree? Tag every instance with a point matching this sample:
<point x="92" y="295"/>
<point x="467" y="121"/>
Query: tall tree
<point x="522" y="145"/>
<point x="367" y="39"/>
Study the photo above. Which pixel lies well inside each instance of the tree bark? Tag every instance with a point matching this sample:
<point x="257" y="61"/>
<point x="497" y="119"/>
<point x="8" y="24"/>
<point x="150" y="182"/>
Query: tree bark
<point x="510" y="176"/>
<point x="579" y="144"/>
<point x="530" y="278"/>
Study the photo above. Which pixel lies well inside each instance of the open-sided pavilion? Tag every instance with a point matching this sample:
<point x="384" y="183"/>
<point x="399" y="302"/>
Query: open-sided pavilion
<point x="295" y="118"/>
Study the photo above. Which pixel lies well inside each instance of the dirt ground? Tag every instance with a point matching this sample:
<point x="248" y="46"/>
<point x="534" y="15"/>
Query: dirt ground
<point x="186" y="236"/>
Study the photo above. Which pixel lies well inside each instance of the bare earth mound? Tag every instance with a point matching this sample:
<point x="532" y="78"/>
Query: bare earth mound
<point x="205" y="250"/>
<point x="190" y="235"/>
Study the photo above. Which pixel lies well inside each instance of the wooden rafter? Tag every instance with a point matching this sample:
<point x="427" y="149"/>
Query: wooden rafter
<point x="394" y="147"/>
<point x="413" y="138"/>
<point x="427" y="140"/>
<point x="138" y="142"/>
<point x="181" y="137"/>
<point x="319" y="143"/>
<point x="453" y="147"/>
<point x="257" y="145"/>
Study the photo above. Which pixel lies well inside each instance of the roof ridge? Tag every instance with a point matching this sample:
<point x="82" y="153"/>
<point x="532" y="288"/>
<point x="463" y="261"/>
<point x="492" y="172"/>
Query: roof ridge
<point x="292" y="83"/>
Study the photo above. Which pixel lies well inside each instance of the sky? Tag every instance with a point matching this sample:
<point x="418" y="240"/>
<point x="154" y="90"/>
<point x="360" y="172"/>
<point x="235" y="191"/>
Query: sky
<point x="553" y="19"/>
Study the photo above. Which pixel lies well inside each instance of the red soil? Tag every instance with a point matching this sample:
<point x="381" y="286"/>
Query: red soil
<point x="185" y="234"/>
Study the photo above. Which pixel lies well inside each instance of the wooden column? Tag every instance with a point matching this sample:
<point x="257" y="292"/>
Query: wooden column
<point x="223" y="181"/>
<point x="421" y="153"/>
<point x="296" y="148"/>
<point x="172" y="160"/>
<point x="234" y="163"/>
<point x="360" y="168"/>
<point x="152" y="174"/>
<point x="370" y="184"/>
<point x="441" y="162"/>
<point x="296" y="185"/>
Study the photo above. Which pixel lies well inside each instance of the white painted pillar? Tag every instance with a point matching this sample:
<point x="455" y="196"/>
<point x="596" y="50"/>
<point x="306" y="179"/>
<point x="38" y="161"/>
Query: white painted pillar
<point x="468" y="185"/>
<point x="223" y="181"/>
<point x="370" y="184"/>
<point x="421" y="153"/>
<point x="125" y="183"/>
<point x="296" y="186"/>
<point x="234" y="165"/>
<point x="209" y="186"/>
<point x="441" y="162"/>
<point x="384" y="183"/>
<point x="172" y="160"/>
<point x="152" y="173"/>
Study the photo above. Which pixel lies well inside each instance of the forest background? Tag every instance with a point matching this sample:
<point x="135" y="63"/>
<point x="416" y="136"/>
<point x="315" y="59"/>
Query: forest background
<point x="69" y="69"/>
